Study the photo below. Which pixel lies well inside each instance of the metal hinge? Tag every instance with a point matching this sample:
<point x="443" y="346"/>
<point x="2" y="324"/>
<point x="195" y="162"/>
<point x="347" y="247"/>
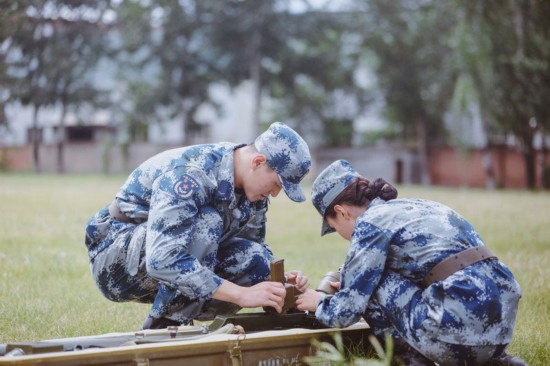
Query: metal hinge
<point x="235" y="352"/>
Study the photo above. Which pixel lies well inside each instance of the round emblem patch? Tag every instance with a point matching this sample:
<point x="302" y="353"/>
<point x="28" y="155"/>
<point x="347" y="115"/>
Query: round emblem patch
<point x="185" y="187"/>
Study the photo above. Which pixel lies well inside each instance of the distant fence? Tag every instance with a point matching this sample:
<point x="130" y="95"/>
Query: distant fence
<point x="447" y="166"/>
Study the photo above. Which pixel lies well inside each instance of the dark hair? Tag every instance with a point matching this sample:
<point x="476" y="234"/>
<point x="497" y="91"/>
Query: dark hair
<point x="360" y="192"/>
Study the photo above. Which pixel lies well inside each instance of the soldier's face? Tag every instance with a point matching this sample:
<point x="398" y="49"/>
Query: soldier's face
<point x="341" y="226"/>
<point x="344" y="220"/>
<point x="263" y="182"/>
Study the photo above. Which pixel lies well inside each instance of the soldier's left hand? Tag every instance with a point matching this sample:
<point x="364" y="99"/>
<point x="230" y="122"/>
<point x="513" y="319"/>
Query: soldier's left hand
<point x="308" y="300"/>
<point x="298" y="279"/>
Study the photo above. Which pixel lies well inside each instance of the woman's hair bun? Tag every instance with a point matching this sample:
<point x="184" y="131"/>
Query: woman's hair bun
<point x="380" y="188"/>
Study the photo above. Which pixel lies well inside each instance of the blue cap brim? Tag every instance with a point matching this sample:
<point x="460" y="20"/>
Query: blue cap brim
<point x="293" y="191"/>
<point x="326" y="229"/>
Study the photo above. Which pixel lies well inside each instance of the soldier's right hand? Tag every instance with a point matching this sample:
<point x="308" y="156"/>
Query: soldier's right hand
<point x="264" y="294"/>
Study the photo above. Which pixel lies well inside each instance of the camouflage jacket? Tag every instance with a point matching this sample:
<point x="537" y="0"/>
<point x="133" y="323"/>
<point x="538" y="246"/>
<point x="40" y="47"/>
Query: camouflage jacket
<point x="476" y="305"/>
<point x="166" y="193"/>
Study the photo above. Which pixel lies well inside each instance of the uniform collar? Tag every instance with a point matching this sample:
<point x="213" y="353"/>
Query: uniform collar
<point x="376" y="201"/>
<point x="226" y="177"/>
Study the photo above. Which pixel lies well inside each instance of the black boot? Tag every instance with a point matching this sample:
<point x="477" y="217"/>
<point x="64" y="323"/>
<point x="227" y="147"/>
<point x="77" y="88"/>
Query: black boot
<point x="158" y="323"/>
<point x="506" y="360"/>
<point x="408" y="356"/>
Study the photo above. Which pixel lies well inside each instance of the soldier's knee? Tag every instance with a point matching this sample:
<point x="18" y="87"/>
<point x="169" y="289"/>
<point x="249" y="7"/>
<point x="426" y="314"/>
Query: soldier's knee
<point x="107" y="285"/>
<point x="244" y="261"/>
<point x="258" y="264"/>
<point x="260" y="267"/>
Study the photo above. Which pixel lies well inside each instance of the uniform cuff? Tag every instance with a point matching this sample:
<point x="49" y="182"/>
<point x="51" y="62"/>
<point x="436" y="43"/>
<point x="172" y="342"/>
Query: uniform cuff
<point x="201" y="284"/>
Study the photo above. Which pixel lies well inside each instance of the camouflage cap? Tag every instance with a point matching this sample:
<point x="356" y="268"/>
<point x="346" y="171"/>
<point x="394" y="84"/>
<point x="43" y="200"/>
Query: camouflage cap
<point x="328" y="185"/>
<point x="288" y="154"/>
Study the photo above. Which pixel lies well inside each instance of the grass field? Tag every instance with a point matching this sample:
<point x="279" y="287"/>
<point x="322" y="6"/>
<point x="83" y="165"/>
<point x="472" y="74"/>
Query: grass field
<point x="46" y="289"/>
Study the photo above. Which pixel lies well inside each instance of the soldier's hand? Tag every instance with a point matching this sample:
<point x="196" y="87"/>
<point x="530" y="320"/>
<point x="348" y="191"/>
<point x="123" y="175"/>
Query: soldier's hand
<point x="264" y="294"/>
<point x="297" y="279"/>
<point x="308" y="300"/>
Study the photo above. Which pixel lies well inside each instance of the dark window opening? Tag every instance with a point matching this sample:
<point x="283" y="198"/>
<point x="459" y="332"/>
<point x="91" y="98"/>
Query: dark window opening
<point x="80" y="133"/>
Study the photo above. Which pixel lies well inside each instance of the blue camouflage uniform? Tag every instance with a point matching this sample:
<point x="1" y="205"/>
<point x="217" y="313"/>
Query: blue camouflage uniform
<point x="185" y="229"/>
<point x="468" y="317"/>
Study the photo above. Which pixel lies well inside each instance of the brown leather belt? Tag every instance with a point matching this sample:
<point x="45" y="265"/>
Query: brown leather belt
<point x="456" y="262"/>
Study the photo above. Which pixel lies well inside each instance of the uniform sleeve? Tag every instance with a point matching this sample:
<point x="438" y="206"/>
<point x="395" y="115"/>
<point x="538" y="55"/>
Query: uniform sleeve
<point x="175" y="202"/>
<point x="360" y="276"/>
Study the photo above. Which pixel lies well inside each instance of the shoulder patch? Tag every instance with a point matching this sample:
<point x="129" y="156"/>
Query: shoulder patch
<point x="185" y="187"/>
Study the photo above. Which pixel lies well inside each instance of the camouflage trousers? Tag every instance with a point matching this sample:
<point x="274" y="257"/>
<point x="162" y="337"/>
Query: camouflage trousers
<point x="395" y="309"/>
<point x="120" y="272"/>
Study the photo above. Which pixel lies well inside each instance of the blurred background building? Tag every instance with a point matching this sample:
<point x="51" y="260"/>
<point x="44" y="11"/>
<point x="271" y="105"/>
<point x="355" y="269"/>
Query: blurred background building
<point x="416" y="91"/>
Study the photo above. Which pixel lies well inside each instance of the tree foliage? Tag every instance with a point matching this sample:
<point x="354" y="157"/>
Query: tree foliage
<point x="197" y="44"/>
<point x="49" y="48"/>
<point x="317" y="84"/>
<point x="429" y="57"/>
<point x="512" y="41"/>
<point x="410" y="43"/>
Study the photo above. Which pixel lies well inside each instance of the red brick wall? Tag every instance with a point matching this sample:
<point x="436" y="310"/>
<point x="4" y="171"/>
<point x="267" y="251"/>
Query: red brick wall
<point x="16" y="158"/>
<point x="452" y="167"/>
<point x="448" y="167"/>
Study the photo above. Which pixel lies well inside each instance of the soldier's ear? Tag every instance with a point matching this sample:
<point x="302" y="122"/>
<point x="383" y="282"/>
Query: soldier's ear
<point x="340" y="210"/>
<point x="344" y="211"/>
<point x="258" y="160"/>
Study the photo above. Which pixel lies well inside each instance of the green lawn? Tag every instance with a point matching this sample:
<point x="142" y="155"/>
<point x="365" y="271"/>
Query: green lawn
<point x="47" y="292"/>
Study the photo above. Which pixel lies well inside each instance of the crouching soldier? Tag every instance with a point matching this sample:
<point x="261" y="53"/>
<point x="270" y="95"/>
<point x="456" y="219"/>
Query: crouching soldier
<point x="416" y="270"/>
<point x="186" y="231"/>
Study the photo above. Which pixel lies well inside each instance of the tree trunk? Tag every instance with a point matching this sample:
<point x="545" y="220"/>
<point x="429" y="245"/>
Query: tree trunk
<point x="530" y="166"/>
<point x="544" y="168"/>
<point x="487" y="158"/>
<point x="543" y="148"/>
<point x="255" y="75"/>
<point x="186" y="134"/>
<point x="422" y="144"/>
<point x="257" y="90"/>
<point x="35" y="140"/>
<point x="255" y="58"/>
<point x="186" y="124"/>
<point x="189" y="123"/>
<point x="529" y="150"/>
<point x="61" y="142"/>
<point x="488" y="167"/>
